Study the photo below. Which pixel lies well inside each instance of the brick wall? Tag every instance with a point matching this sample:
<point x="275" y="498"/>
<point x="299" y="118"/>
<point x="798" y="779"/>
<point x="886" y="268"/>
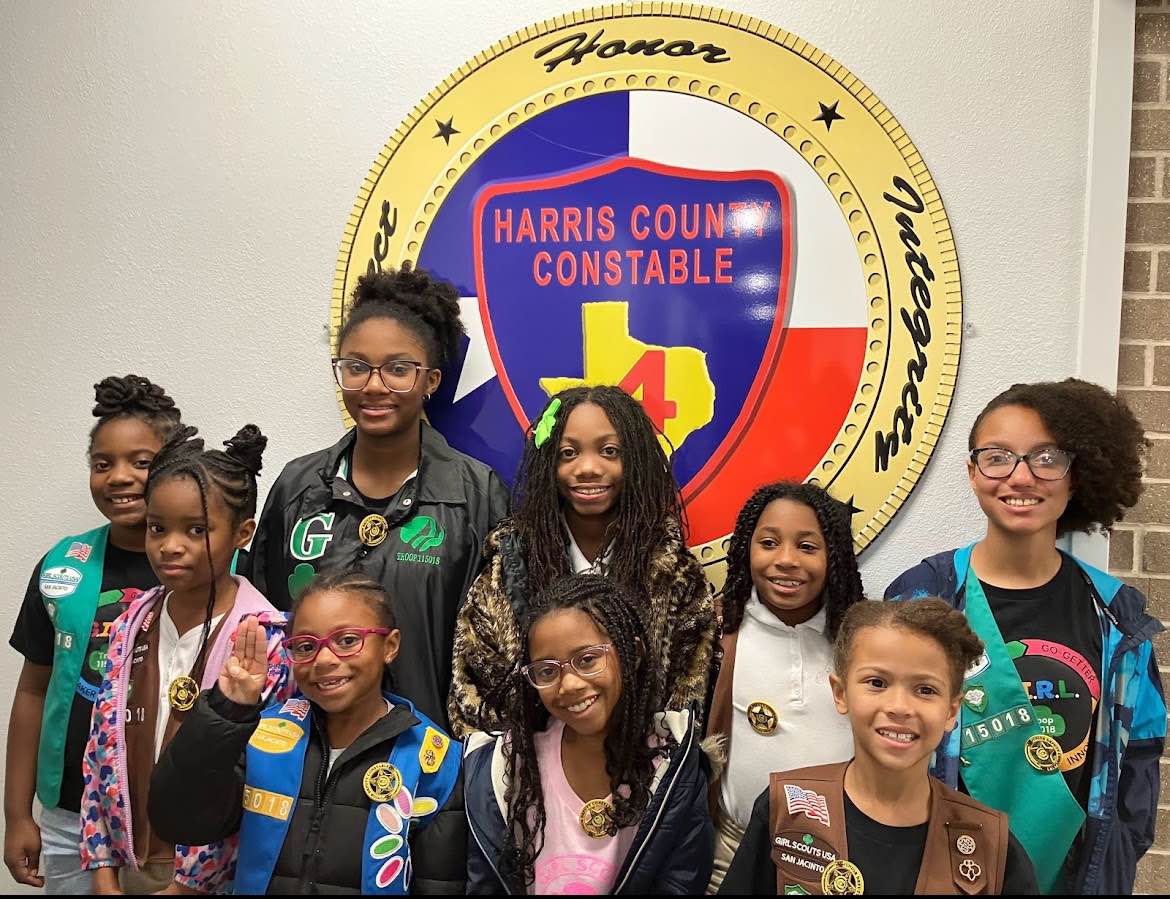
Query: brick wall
<point x="1140" y="547"/>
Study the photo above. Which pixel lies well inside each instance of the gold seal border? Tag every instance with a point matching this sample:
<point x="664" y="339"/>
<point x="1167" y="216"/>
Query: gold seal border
<point x="946" y="285"/>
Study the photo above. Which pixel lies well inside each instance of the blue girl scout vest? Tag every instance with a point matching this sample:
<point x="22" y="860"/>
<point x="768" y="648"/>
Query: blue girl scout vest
<point x="412" y="785"/>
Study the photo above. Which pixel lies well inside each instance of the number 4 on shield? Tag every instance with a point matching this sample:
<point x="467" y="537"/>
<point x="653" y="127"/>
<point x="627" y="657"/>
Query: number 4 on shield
<point x="649" y="375"/>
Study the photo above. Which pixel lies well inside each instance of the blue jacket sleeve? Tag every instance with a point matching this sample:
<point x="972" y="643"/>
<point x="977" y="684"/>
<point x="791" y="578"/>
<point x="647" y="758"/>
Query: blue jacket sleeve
<point x="481" y="877"/>
<point x="694" y="853"/>
<point x="921" y="580"/>
<point x="1140" y="781"/>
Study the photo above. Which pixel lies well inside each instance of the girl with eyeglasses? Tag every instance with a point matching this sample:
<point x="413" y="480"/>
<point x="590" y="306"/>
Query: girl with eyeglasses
<point x="1063" y="718"/>
<point x="346" y="787"/>
<point x="588" y="790"/>
<point x="391" y="495"/>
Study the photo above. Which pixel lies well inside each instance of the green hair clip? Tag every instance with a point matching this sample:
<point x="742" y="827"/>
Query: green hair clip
<point x="548" y="421"/>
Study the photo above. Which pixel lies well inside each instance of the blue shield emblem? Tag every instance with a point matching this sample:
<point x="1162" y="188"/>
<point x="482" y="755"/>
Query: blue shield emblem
<point x="671" y="283"/>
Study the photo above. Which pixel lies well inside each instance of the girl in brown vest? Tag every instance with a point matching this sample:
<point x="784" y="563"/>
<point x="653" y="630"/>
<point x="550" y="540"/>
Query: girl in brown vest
<point x="880" y="823"/>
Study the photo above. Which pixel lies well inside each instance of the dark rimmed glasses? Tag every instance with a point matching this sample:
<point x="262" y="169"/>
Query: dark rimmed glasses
<point x="399" y="376"/>
<point x="343" y="642"/>
<point x="1049" y="464"/>
<point x="587" y="662"/>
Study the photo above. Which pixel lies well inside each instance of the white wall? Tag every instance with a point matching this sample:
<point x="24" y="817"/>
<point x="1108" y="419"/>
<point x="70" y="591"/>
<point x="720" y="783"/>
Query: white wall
<point x="174" y="178"/>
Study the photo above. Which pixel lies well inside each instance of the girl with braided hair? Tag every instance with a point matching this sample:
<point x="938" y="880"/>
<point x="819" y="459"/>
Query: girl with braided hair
<point x="77" y="589"/>
<point x="167" y="647"/>
<point x="791" y="577"/>
<point x="391" y="495"/>
<point x="595" y="493"/>
<point x="588" y="790"/>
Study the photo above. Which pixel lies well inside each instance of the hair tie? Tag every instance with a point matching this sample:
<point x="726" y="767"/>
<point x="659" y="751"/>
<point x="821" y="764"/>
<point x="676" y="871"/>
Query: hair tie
<point x="548" y="421"/>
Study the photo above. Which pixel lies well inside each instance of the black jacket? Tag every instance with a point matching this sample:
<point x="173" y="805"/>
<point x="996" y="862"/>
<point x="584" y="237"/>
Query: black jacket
<point x="672" y="850"/>
<point x="197" y="788"/>
<point x="437" y="522"/>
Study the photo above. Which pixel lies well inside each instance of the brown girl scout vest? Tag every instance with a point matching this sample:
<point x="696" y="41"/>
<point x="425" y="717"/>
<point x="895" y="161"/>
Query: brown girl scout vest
<point x="966" y="842"/>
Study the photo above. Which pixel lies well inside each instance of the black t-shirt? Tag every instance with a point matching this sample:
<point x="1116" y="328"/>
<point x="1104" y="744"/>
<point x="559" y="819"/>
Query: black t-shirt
<point x="889" y="857"/>
<point x="126" y="575"/>
<point x="1054" y="635"/>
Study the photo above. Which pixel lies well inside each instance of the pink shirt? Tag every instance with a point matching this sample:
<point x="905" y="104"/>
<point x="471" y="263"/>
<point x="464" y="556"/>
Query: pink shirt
<point x="571" y="862"/>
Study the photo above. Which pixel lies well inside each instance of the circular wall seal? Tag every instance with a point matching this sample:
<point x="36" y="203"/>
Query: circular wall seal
<point x="702" y="208"/>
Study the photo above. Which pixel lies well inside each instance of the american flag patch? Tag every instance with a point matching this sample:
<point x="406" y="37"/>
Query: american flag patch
<point x="79" y="551"/>
<point x="808" y="802"/>
<point x="298" y="708"/>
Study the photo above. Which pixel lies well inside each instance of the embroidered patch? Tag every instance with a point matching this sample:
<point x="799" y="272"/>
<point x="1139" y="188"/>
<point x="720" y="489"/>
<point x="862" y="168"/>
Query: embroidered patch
<point x="59" y="581"/>
<point x="433" y="751"/>
<point x="975" y="697"/>
<point x="79" y="551"/>
<point x="802" y="801"/>
<point x="266" y="802"/>
<point x="298" y="708"/>
<point x="276" y="735"/>
<point x="801" y="856"/>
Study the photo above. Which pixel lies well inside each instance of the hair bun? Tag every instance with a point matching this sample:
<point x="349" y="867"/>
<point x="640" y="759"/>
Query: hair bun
<point x="247" y="448"/>
<point x="114" y="396"/>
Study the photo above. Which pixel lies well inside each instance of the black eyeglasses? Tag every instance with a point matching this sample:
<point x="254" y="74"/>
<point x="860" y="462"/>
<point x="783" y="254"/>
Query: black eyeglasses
<point x="399" y="376"/>
<point x="1048" y="464"/>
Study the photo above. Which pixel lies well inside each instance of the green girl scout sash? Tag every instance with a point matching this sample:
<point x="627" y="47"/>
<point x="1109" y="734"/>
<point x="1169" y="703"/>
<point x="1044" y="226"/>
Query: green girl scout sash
<point x="70" y="581"/>
<point x="411" y="786"/>
<point x="1006" y="760"/>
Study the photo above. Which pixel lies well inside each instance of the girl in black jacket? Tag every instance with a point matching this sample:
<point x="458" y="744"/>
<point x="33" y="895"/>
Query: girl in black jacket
<point x="589" y="791"/>
<point x="391" y="496"/>
<point x="343" y="789"/>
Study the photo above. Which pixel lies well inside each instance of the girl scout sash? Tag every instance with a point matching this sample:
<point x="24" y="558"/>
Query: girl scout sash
<point x="1006" y="761"/>
<point x="70" y="582"/>
<point x="415" y="782"/>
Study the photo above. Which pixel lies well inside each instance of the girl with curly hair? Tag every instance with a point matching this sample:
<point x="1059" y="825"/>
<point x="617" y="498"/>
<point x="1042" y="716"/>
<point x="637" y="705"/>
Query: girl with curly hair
<point x="1063" y="719"/>
<point x="391" y="496"/>
<point x="595" y="493"/>
<point x="791" y="577"/>
<point x="588" y="790"/>
<point x="77" y="589"/>
<point x="878" y="823"/>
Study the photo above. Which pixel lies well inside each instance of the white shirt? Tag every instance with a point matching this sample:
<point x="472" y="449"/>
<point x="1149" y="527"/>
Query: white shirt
<point x="176" y="657"/>
<point x="788" y="668"/>
<point x="580" y="563"/>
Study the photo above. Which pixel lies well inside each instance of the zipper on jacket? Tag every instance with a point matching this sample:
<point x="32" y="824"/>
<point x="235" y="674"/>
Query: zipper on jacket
<point x="632" y="861"/>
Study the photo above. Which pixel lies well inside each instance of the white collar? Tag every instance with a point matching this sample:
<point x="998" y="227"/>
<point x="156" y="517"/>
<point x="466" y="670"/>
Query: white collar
<point x="763" y="615"/>
<point x="577" y="560"/>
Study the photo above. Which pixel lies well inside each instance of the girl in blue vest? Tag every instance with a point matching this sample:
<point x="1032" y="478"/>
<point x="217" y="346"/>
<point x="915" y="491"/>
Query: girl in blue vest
<point x="81" y="585"/>
<point x="1063" y="718"/>
<point x="166" y="648"/>
<point x="343" y="788"/>
<point x="589" y="790"/>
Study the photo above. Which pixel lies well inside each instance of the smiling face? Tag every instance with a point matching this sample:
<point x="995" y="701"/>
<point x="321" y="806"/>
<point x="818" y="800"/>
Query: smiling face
<point x="119" y="459"/>
<point x="789" y="560"/>
<point x="336" y="683"/>
<point x="589" y="462"/>
<point x="177" y="535"/>
<point x="377" y="410"/>
<point x="1020" y="504"/>
<point x="898" y="696"/>
<point x="584" y="704"/>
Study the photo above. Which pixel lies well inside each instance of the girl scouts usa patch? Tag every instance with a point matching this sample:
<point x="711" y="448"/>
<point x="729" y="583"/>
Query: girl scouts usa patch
<point x="697" y="206"/>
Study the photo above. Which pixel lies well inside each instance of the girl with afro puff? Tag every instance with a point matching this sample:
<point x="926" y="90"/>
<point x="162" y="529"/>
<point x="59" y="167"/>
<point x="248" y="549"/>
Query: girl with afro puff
<point x="595" y="493"/>
<point x="1063" y="720"/>
<point x="391" y="496"/>
<point x="791" y="577"/>
<point x="76" y="591"/>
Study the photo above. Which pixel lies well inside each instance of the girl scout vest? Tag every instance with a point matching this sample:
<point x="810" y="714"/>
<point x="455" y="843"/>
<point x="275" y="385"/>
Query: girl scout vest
<point x="70" y="582"/>
<point x="965" y="852"/>
<point x="408" y="788"/>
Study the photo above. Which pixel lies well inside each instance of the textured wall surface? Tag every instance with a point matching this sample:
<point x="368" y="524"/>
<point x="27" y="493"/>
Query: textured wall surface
<point x="174" y="179"/>
<point x="1140" y="548"/>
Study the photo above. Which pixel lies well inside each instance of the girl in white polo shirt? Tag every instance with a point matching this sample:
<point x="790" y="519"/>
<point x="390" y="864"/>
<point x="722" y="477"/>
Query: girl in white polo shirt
<point x="791" y="576"/>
